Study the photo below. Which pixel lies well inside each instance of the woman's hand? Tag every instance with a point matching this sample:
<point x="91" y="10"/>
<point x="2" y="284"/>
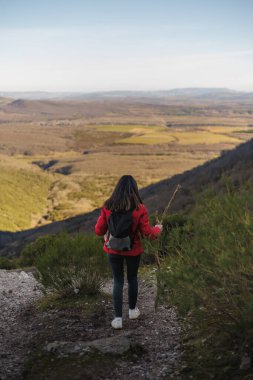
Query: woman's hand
<point x="106" y="236"/>
<point x="159" y="226"/>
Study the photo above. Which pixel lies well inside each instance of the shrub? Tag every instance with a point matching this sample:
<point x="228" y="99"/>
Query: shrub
<point x="208" y="274"/>
<point x="72" y="264"/>
<point x="161" y="246"/>
<point x="214" y="263"/>
<point x="37" y="248"/>
<point x="6" y="263"/>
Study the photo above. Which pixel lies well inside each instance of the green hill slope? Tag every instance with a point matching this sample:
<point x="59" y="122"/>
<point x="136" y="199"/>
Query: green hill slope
<point x="207" y="273"/>
<point x="23" y="194"/>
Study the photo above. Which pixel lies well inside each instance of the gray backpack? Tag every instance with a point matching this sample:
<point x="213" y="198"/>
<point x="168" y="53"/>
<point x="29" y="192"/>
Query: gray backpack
<point x="119" y="228"/>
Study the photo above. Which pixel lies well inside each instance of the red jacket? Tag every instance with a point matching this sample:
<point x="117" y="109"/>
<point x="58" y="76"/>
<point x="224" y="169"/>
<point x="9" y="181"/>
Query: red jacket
<point x="140" y="226"/>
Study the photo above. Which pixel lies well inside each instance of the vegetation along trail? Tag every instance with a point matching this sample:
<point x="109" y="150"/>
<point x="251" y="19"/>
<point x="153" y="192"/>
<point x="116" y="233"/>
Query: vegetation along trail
<point x="65" y="337"/>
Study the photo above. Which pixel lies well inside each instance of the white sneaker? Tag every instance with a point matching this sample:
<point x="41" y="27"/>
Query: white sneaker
<point x="117" y="323"/>
<point x="134" y="313"/>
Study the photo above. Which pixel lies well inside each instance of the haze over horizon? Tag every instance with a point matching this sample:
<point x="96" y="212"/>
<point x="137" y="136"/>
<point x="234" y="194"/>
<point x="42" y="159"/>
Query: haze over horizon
<point x="84" y="46"/>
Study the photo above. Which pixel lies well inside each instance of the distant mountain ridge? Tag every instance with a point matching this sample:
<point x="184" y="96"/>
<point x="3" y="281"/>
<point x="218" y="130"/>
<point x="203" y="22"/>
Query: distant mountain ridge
<point x="237" y="164"/>
<point x="194" y="92"/>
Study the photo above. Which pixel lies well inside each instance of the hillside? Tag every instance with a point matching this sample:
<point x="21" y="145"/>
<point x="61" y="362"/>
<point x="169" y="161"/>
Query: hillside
<point x="127" y="105"/>
<point x="19" y="207"/>
<point x="236" y="163"/>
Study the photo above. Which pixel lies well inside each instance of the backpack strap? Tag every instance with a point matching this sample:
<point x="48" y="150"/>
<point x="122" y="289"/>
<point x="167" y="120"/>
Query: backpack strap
<point x="135" y="232"/>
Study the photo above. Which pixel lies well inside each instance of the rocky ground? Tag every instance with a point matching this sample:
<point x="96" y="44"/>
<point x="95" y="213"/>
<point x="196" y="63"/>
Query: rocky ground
<point x="70" y="334"/>
<point x="18" y="291"/>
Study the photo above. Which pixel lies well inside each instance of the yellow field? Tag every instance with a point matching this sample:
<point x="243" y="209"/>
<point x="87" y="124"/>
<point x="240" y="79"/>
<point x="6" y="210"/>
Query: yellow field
<point x="225" y="130"/>
<point x="149" y="139"/>
<point x="132" y="128"/>
<point x="150" y="135"/>
<point x="201" y="137"/>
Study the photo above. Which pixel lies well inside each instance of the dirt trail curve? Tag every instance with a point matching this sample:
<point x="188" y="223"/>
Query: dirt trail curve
<point x="157" y="331"/>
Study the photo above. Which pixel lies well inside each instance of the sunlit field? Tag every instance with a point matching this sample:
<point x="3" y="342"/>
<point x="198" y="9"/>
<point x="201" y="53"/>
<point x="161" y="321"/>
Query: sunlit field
<point x="157" y="134"/>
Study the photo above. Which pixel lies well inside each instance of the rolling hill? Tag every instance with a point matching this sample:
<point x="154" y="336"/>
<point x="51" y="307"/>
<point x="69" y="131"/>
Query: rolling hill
<point x="192" y="92"/>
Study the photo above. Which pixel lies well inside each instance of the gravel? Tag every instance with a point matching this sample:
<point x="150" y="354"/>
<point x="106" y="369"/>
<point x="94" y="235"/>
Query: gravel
<point x="18" y="290"/>
<point x="157" y="331"/>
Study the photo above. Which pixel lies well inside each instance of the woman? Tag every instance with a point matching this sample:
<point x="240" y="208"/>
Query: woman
<point x="126" y="199"/>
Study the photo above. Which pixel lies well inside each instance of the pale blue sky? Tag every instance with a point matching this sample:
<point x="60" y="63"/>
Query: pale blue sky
<point x="76" y="45"/>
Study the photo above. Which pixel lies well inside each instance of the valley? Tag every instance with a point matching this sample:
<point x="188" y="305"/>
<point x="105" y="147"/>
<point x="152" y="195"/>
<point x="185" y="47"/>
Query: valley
<point x="61" y="158"/>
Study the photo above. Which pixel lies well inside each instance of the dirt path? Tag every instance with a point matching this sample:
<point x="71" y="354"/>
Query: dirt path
<point x="157" y="331"/>
<point x="23" y="330"/>
<point x="18" y="290"/>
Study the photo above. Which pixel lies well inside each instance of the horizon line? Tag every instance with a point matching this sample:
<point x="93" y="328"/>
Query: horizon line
<point x="125" y="90"/>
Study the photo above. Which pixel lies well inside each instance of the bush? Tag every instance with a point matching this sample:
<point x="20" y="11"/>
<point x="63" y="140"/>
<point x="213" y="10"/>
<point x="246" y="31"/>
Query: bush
<point x="208" y="274"/>
<point x="72" y="265"/>
<point x="6" y="263"/>
<point x="161" y="246"/>
<point x="37" y="248"/>
<point x="211" y="257"/>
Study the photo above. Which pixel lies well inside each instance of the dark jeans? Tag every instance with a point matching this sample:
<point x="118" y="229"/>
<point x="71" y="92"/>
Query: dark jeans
<point x="117" y="265"/>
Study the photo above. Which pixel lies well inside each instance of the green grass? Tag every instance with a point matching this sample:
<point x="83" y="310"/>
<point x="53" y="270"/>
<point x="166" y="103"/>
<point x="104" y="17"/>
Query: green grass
<point x="23" y="194"/>
<point x="207" y="273"/>
<point x="8" y="263"/>
<point x="244" y="131"/>
<point x="69" y="264"/>
<point x="83" y="303"/>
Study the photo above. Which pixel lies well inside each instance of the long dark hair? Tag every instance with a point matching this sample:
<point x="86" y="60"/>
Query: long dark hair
<point x="125" y="196"/>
